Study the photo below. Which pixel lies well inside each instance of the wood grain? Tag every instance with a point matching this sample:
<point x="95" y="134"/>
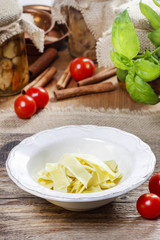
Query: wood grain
<point x="117" y="99"/>
<point x="24" y="216"/>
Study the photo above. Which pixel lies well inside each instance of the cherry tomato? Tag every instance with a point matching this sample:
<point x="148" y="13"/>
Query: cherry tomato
<point x="148" y="205"/>
<point x="81" y="68"/>
<point x="40" y="95"/>
<point x="154" y="184"/>
<point x="25" y="106"/>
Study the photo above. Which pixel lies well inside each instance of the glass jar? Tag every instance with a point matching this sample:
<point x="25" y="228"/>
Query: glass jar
<point x="14" y="73"/>
<point x="80" y="41"/>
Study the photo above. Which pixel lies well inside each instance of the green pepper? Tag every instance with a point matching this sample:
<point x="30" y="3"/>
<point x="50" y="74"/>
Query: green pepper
<point x="147" y="70"/>
<point x="121" y="74"/>
<point x="139" y="90"/>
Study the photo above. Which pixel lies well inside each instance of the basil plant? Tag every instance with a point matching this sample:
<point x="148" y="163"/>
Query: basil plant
<point x="135" y="69"/>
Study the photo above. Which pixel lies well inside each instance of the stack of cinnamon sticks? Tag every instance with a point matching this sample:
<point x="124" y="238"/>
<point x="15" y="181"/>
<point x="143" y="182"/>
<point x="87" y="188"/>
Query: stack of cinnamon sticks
<point x="40" y="71"/>
<point x="86" y="86"/>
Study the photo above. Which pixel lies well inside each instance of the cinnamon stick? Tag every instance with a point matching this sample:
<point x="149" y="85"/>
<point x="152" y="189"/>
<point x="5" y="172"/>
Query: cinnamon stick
<point x="84" y="90"/>
<point x="64" y="79"/>
<point x="47" y="77"/>
<point x="100" y="76"/>
<point x="42" y="62"/>
<point x="41" y="80"/>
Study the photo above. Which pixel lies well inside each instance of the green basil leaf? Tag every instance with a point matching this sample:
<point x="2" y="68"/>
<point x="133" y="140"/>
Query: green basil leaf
<point x="139" y="90"/>
<point x="147" y="70"/>
<point x="147" y="54"/>
<point x="150" y="14"/>
<point x="124" y="37"/>
<point x="120" y="61"/>
<point x="155" y="37"/>
<point x="121" y="74"/>
<point x="157" y="2"/>
<point x="158" y="54"/>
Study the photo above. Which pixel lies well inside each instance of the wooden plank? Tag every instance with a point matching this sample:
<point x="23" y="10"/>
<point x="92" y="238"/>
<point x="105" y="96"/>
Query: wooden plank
<point x="24" y="216"/>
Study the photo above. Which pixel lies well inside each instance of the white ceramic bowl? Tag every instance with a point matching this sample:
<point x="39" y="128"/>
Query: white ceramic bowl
<point x="135" y="160"/>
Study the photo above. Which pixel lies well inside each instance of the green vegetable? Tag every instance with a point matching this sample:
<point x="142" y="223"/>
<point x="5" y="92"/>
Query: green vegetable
<point x="155" y="37"/>
<point x="150" y="14"/>
<point x="158" y="54"/>
<point x="147" y="54"/>
<point x="157" y="2"/>
<point x="154" y="19"/>
<point x="136" y="70"/>
<point x="124" y="37"/>
<point x="121" y="74"/>
<point x="139" y="90"/>
<point x="147" y="70"/>
<point x="120" y="61"/>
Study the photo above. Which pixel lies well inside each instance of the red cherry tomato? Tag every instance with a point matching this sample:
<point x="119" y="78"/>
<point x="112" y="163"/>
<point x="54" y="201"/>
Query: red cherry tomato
<point x="40" y="95"/>
<point x="25" y="106"/>
<point x="148" y="205"/>
<point x="154" y="184"/>
<point x="81" y="68"/>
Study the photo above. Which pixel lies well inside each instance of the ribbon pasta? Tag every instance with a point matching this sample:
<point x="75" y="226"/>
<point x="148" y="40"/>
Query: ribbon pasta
<point x="79" y="173"/>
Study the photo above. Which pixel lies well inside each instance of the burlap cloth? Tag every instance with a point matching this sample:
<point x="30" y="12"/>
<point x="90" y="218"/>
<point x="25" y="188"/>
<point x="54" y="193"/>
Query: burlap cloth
<point x="99" y="17"/>
<point x="141" y="24"/>
<point x="140" y="123"/>
<point x="13" y="22"/>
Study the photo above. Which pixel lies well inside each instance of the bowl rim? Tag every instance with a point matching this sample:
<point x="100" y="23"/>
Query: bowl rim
<point x="86" y="197"/>
<point x="42" y="7"/>
<point x="29" y="9"/>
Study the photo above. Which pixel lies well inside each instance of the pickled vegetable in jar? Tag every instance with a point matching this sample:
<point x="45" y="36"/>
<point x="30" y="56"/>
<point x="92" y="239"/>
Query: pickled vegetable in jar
<point x="81" y="42"/>
<point x="88" y="21"/>
<point x="13" y="56"/>
<point x="13" y="65"/>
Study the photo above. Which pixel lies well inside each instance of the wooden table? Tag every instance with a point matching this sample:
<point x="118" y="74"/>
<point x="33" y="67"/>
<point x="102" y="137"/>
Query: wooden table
<point x="24" y="216"/>
<point x="116" y="99"/>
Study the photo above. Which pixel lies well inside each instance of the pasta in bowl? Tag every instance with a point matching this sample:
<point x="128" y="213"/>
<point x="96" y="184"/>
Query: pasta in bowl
<point x="134" y="159"/>
<point x="79" y="173"/>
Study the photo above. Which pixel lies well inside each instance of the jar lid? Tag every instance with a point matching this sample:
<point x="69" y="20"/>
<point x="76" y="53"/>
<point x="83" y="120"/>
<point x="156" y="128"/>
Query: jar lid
<point x="13" y="22"/>
<point x="10" y="11"/>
